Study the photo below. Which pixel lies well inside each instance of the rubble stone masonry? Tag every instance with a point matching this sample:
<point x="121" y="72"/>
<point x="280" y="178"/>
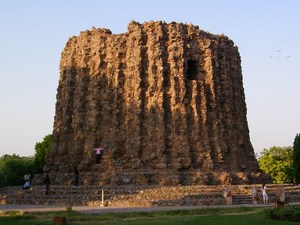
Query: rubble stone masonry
<point x="166" y="101"/>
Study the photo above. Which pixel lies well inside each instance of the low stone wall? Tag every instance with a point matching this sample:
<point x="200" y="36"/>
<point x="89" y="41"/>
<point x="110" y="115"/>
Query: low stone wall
<point x="138" y="195"/>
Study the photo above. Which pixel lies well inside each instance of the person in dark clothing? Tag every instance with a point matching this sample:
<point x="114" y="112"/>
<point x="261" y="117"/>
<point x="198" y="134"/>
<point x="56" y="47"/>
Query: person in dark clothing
<point x="76" y="173"/>
<point x="47" y="184"/>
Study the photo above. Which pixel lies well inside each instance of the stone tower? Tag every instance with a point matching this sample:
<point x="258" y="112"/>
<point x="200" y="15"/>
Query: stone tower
<point x="166" y="100"/>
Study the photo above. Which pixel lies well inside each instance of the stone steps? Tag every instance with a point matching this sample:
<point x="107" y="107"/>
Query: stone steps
<point x="242" y="199"/>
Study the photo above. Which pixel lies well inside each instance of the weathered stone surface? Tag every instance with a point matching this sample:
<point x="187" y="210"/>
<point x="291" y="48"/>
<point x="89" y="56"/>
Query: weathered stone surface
<point x="166" y="100"/>
<point x="144" y="195"/>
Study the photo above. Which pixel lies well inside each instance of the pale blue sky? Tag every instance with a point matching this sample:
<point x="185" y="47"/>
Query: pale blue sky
<point x="34" y="33"/>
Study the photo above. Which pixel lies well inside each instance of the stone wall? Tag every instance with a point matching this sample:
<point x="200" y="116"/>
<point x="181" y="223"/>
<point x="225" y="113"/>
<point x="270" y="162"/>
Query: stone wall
<point x="143" y="195"/>
<point x="166" y="100"/>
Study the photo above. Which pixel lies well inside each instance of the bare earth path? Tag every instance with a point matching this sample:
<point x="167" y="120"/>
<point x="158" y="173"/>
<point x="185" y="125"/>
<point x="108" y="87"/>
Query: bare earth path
<point x="94" y="209"/>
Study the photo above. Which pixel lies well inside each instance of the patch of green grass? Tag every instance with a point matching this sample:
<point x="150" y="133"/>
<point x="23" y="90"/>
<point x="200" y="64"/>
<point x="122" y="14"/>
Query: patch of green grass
<point x="211" y="216"/>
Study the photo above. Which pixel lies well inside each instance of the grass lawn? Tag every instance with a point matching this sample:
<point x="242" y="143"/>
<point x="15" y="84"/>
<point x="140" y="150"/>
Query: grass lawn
<point x="218" y="216"/>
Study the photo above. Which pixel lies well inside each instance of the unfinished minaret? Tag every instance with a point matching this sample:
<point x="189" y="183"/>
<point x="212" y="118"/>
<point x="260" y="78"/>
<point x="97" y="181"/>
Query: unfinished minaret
<point x="166" y="101"/>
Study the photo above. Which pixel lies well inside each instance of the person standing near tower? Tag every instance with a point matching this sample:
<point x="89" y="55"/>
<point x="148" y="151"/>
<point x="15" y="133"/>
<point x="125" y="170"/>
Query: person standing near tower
<point x="254" y="194"/>
<point x="76" y="176"/>
<point x="98" y="151"/>
<point x="47" y="184"/>
<point x="264" y="194"/>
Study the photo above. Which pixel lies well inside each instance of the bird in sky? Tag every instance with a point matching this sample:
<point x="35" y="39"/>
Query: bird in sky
<point x="278" y="56"/>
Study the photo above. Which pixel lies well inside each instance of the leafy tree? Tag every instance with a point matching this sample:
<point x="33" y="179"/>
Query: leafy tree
<point x="41" y="152"/>
<point x="13" y="168"/>
<point x="278" y="163"/>
<point x="296" y="158"/>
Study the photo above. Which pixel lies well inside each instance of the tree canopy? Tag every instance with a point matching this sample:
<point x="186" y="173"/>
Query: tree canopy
<point x="41" y="152"/>
<point x="278" y="163"/>
<point x="13" y="168"/>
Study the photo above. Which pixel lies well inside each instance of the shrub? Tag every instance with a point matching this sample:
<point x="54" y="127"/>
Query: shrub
<point x="289" y="213"/>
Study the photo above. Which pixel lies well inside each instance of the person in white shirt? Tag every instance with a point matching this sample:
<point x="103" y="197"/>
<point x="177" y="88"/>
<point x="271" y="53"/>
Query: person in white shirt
<point x="264" y="194"/>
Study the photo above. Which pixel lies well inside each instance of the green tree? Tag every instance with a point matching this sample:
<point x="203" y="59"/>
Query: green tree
<point x="13" y="168"/>
<point x="296" y="158"/>
<point x="278" y="163"/>
<point x="41" y="152"/>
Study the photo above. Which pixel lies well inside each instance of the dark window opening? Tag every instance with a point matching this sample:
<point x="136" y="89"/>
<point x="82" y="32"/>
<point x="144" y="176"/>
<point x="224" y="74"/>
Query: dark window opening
<point x="192" y="71"/>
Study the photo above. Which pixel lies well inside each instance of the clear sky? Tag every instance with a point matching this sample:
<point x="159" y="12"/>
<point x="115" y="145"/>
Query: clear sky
<point x="34" y="33"/>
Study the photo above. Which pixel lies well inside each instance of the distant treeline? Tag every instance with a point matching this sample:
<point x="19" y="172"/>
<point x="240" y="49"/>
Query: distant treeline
<point x="13" y="168"/>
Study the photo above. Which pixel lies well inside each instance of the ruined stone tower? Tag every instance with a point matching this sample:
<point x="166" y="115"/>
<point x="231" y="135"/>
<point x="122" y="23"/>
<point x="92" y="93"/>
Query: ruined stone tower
<point x="166" y="101"/>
